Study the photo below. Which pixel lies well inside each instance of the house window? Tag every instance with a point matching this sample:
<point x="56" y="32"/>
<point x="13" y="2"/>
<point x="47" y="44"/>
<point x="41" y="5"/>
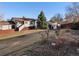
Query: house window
<point x="32" y="22"/>
<point x="25" y="22"/>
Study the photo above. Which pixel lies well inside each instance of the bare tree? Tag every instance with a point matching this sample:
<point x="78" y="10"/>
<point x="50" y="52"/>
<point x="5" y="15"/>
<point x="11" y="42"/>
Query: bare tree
<point x="73" y="11"/>
<point x="56" y="18"/>
<point x="1" y="17"/>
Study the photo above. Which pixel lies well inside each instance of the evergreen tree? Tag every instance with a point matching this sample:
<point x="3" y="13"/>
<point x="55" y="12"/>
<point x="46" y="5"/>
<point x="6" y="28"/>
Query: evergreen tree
<point x="42" y="21"/>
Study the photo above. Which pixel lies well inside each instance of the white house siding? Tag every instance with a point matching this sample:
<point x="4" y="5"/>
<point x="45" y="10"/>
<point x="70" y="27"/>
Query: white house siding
<point x="18" y="24"/>
<point x="5" y="27"/>
<point x="35" y="24"/>
<point x="27" y="23"/>
<point x="9" y="26"/>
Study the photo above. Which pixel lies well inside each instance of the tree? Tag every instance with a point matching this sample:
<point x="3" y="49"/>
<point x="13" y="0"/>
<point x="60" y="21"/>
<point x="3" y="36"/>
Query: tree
<point x="42" y="21"/>
<point x="56" y="18"/>
<point x="73" y="14"/>
<point x="23" y="17"/>
<point x="73" y="11"/>
<point x="1" y="17"/>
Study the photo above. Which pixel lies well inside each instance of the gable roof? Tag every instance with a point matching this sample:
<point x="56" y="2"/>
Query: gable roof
<point x="22" y="19"/>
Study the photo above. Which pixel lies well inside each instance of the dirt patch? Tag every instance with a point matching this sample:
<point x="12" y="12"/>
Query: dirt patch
<point x="6" y="32"/>
<point x="67" y="49"/>
<point x="68" y="46"/>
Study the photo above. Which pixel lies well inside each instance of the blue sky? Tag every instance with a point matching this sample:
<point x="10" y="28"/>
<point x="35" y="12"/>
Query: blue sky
<point x="32" y="9"/>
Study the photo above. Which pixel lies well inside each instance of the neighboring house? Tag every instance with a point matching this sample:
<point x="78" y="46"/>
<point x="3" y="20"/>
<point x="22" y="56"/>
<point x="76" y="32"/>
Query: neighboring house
<point x="53" y="25"/>
<point x="21" y="23"/>
<point x="66" y="24"/>
<point x="4" y="25"/>
<point x="70" y="23"/>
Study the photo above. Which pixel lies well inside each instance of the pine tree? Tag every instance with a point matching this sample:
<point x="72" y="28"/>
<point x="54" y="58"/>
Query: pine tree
<point x="42" y="21"/>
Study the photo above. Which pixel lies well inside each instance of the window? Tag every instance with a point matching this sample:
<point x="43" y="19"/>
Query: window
<point x="32" y="22"/>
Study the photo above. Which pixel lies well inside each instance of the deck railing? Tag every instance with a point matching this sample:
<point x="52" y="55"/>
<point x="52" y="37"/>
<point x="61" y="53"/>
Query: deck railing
<point x="21" y="27"/>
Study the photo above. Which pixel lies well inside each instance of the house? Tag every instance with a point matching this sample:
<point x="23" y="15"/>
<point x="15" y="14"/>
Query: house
<point x="66" y="24"/>
<point x="53" y="25"/>
<point x="70" y="23"/>
<point x="4" y="25"/>
<point x="20" y="23"/>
